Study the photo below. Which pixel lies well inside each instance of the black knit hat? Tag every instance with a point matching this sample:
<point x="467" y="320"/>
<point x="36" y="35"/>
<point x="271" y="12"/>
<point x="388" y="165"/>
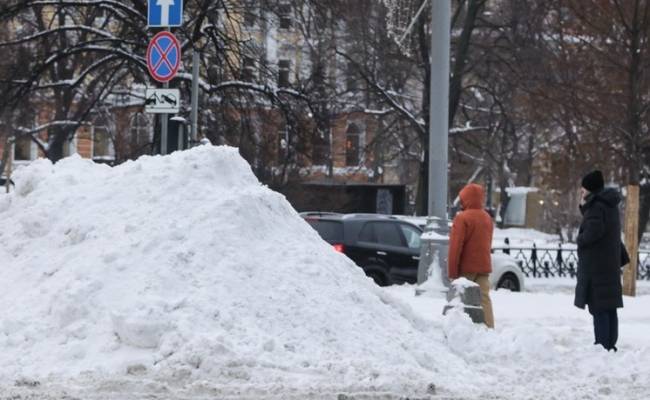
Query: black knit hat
<point x="593" y="181"/>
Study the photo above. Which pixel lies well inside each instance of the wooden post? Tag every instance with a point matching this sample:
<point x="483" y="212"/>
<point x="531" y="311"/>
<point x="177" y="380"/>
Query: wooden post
<point x="631" y="239"/>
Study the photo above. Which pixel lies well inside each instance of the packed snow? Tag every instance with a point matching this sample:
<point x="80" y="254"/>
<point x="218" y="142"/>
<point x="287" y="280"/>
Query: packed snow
<point x="182" y="277"/>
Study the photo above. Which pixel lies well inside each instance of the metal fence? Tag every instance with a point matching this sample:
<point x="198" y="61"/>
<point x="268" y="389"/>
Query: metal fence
<point x="558" y="261"/>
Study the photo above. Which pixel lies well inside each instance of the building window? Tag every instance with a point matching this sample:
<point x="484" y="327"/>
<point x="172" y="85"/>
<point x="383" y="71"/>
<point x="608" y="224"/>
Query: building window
<point x="248" y="69"/>
<point x="285" y="16"/>
<point x="102" y="144"/>
<point x="140" y="130"/>
<point x="284" y="66"/>
<point x="23" y="148"/>
<point x="352" y="141"/>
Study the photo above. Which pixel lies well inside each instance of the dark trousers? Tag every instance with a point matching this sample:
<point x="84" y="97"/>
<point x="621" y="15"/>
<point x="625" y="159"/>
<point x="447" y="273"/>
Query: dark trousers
<point x="605" y="328"/>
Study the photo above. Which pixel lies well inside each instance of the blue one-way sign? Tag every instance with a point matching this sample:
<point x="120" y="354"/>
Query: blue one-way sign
<point x="165" y="13"/>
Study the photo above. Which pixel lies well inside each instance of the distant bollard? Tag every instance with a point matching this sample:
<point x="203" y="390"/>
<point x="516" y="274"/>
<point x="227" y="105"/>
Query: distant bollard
<point x="466" y="294"/>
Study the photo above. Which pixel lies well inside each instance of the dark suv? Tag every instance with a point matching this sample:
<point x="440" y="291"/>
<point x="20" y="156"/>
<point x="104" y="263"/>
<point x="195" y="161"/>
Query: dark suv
<point x="386" y="248"/>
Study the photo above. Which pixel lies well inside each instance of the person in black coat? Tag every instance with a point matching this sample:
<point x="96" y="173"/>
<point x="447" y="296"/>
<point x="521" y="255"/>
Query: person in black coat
<point x="600" y="257"/>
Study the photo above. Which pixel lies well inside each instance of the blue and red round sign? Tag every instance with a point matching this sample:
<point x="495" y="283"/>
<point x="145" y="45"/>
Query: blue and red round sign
<point x="163" y="56"/>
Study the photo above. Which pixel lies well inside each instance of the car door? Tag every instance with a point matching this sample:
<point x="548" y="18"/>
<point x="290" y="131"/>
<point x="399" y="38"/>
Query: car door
<point x="411" y="260"/>
<point x="384" y="241"/>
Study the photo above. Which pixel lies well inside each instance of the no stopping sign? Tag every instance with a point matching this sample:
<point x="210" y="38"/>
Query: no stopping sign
<point x="163" y="56"/>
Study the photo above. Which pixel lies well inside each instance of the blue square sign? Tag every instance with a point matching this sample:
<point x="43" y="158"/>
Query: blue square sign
<point x="165" y="13"/>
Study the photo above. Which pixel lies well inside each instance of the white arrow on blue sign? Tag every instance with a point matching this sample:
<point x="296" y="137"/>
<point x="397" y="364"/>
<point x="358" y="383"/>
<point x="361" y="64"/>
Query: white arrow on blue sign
<point x="165" y="13"/>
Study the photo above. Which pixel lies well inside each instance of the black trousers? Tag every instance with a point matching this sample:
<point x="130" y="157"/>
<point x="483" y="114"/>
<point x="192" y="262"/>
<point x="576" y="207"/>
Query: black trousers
<point x="605" y="328"/>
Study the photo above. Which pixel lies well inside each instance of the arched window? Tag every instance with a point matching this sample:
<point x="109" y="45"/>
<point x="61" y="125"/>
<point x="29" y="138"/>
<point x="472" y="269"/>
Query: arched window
<point x="352" y="142"/>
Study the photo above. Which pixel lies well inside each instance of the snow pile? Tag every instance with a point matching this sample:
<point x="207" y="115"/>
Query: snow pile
<point x="185" y="272"/>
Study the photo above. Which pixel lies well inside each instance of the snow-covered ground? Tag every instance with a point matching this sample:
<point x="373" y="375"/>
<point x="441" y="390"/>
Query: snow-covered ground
<point x="542" y="345"/>
<point x="181" y="277"/>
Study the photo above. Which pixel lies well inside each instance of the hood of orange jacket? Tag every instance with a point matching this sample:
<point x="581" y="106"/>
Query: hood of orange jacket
<point x="472" y="197"/>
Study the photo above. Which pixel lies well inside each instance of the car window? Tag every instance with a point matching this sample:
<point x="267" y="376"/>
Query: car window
<point x="367" y="233"/>
<point x="412" y="236"/>
<point x="387" y="233"/>
<point x="331" y="231"/>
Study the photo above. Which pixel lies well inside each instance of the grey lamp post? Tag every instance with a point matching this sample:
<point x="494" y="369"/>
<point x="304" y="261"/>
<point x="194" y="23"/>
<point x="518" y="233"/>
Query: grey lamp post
<point x="435" y="241"/>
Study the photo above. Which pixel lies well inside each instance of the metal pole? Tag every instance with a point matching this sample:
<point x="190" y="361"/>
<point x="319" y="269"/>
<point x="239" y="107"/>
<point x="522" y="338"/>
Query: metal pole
<point x="179" y="137"/>
<point x="163" y="134"/>
<point x="195" y="97"/>
<point x="439" y="107"/>
<point x="435" y="241"/>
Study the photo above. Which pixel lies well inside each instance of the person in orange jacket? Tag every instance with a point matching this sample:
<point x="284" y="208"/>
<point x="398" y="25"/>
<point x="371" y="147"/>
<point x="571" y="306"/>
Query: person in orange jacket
<point x="470" y="245"/>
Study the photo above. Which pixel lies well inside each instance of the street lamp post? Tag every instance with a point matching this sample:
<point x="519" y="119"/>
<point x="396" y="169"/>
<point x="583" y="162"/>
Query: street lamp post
<point x="435" y="240"/>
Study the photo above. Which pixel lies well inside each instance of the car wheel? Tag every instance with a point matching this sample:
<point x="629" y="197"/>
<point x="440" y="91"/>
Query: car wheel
<point x="378" y="275"/>
<point x="509" y="281"/>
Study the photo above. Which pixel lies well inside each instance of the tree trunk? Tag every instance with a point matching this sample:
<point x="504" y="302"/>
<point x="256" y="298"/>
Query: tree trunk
<point x="504" y="199"/>
<point x="5" y="154"/>
<point x="55" y="150"/>
<point x="422" y="194"/>
<point x="461" y="55"/>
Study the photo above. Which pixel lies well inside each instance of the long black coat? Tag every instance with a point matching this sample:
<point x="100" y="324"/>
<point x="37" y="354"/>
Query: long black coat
<point x="600" y="253"/>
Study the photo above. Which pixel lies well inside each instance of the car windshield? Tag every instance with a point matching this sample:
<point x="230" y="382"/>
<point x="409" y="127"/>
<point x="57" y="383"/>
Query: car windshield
<point x="331" y="231"/>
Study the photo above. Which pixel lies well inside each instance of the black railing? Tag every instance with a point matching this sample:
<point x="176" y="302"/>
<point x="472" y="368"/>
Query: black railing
<point x="558" y="261"/>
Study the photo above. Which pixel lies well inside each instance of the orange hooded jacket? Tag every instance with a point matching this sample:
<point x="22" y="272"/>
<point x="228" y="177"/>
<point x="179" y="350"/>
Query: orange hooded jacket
<point x="470" y="241"/>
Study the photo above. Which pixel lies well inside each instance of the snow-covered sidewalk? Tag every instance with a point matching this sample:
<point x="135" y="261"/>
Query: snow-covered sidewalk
<point x="542" y="345"/>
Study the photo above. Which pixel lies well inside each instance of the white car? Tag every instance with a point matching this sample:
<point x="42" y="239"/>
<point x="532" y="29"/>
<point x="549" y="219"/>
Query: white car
<point x="506" y="273"/>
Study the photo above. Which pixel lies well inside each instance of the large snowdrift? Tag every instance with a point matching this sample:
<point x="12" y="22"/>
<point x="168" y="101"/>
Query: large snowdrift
<point x="185" y="272"/>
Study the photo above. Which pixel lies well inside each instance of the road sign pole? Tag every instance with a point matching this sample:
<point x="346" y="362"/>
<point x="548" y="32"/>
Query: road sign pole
<point x="195" y="96"/>
<point x="163" y="132"/>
